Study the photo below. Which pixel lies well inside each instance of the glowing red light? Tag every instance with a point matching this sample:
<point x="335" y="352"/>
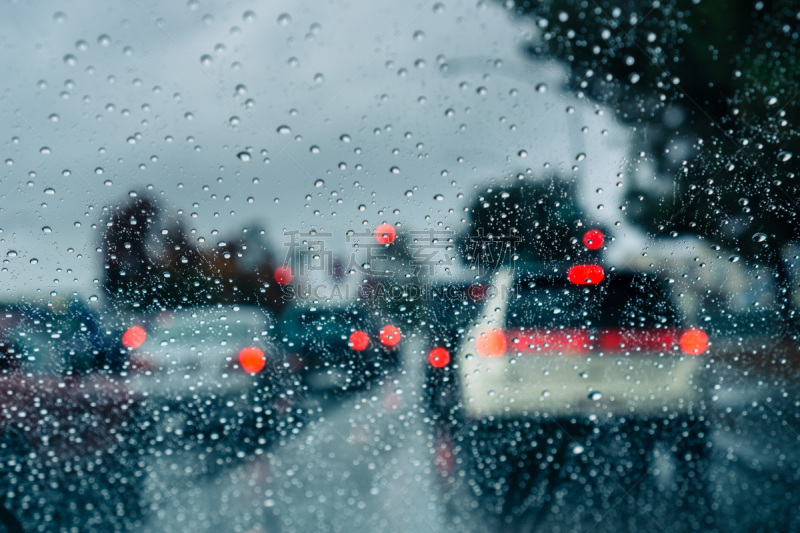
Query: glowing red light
<point x="439" y="357"/>
<point x="252" y="359"/>
<point x="491" y="343"/>
<point x="586" y="274"/>
<point x="390" y="335"/>
<point x="284" y="275"/>
<point x="694" y="342"/>
<point x="134" y="337"/>
<point x="594" y="239"/>
<point x="385" y="233"/>
<point x="359" y="340"/>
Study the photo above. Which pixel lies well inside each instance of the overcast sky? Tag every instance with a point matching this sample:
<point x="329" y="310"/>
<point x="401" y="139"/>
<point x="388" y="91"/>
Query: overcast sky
<point x="165" y="95"/>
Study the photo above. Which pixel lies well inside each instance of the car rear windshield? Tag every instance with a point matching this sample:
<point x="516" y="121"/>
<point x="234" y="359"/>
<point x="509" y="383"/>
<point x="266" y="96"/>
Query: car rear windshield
<point x="620" y="301"/>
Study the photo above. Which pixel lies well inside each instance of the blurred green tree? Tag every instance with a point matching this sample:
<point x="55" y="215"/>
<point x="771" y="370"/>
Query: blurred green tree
<point x="711" y="89"/>
<point x="523" y="222"/>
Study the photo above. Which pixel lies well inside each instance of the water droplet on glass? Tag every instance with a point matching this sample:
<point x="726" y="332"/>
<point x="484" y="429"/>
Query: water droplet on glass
<point x="733" y="258"/>
<point x="12" y="253"/>
<point x="206" y="60"/>
<point x="759" y="237"/>
<point x="395" y="170"/>
<point x="34" y="261"/>
<point x="438" y="197"/>
<point x="283" y="129"/>
<point x="784" y="156"/>
<point x="542" y="87"/>
<point x="595" y="395"/>
<point x="319" y="183"/>
<point x="47" y="229"/>
<point x="345" y="138"/>
<point x="244" y="156"/>
<point x="284" y="19"/>
<point x="49" y="190"/>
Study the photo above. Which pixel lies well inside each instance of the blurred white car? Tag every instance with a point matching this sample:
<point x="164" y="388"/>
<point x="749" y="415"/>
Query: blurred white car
<point x="580" y="343"/>
<point x="568" y="358"/>
<point x="215" y="367"/>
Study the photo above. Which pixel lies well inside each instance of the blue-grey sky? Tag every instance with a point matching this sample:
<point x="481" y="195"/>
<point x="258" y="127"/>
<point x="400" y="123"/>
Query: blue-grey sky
<point x="100" y="99"/>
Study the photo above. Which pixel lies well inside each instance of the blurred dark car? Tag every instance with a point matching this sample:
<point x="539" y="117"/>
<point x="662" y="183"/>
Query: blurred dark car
<point x="339" y="348"/>
<point x="66" y="429"/>
<point x="449" y="309"/>
<point x="574" y="359"/>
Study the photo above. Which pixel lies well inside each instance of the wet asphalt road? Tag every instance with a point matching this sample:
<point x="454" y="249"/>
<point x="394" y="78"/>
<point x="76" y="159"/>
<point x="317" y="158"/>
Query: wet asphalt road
<point x="364" y="462"/>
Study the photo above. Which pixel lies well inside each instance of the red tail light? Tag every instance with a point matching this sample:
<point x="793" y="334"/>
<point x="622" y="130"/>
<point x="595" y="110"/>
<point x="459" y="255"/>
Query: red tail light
<point x="594" y="239"/>
<point x="638" y="340"/>
<point x="439" y="357"/>
<point x="491" y="343"/>
<point x="252" y="360"/>
<point x="495" y="342"/>
<point x="694" y="342"/>
<point x="134" y="337"/>
<point x="390" y="335"/>
<point x="385" y="234"/>
<point x="359" y="341"/>
<point x="284" y="275"/>
<point x="586" y="274"/>
<point x="567" y="342"/>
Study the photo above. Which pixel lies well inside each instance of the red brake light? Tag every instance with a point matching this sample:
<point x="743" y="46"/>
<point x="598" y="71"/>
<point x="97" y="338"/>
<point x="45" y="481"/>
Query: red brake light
<point x="638" y="340"/>
<point x="385" y="234"/>
<point x="533" y="341"/>
<point x="252" y="359"/>
<point x="134" y="337"/>
<point x="359" y="341"/>
<point x="586" y="274"/>
<point x="491" y="343"/>
<point x="439" y="357"/>
<point x="694" y="342"/>
<point x="594" y="239"/>
<point x="390" y="335"/>
<point x="284" y="275"/>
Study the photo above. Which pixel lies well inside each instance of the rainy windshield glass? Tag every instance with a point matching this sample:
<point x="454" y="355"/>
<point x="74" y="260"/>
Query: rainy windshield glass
<point x="623" y="301"/>
<point x="458" y="265"/>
